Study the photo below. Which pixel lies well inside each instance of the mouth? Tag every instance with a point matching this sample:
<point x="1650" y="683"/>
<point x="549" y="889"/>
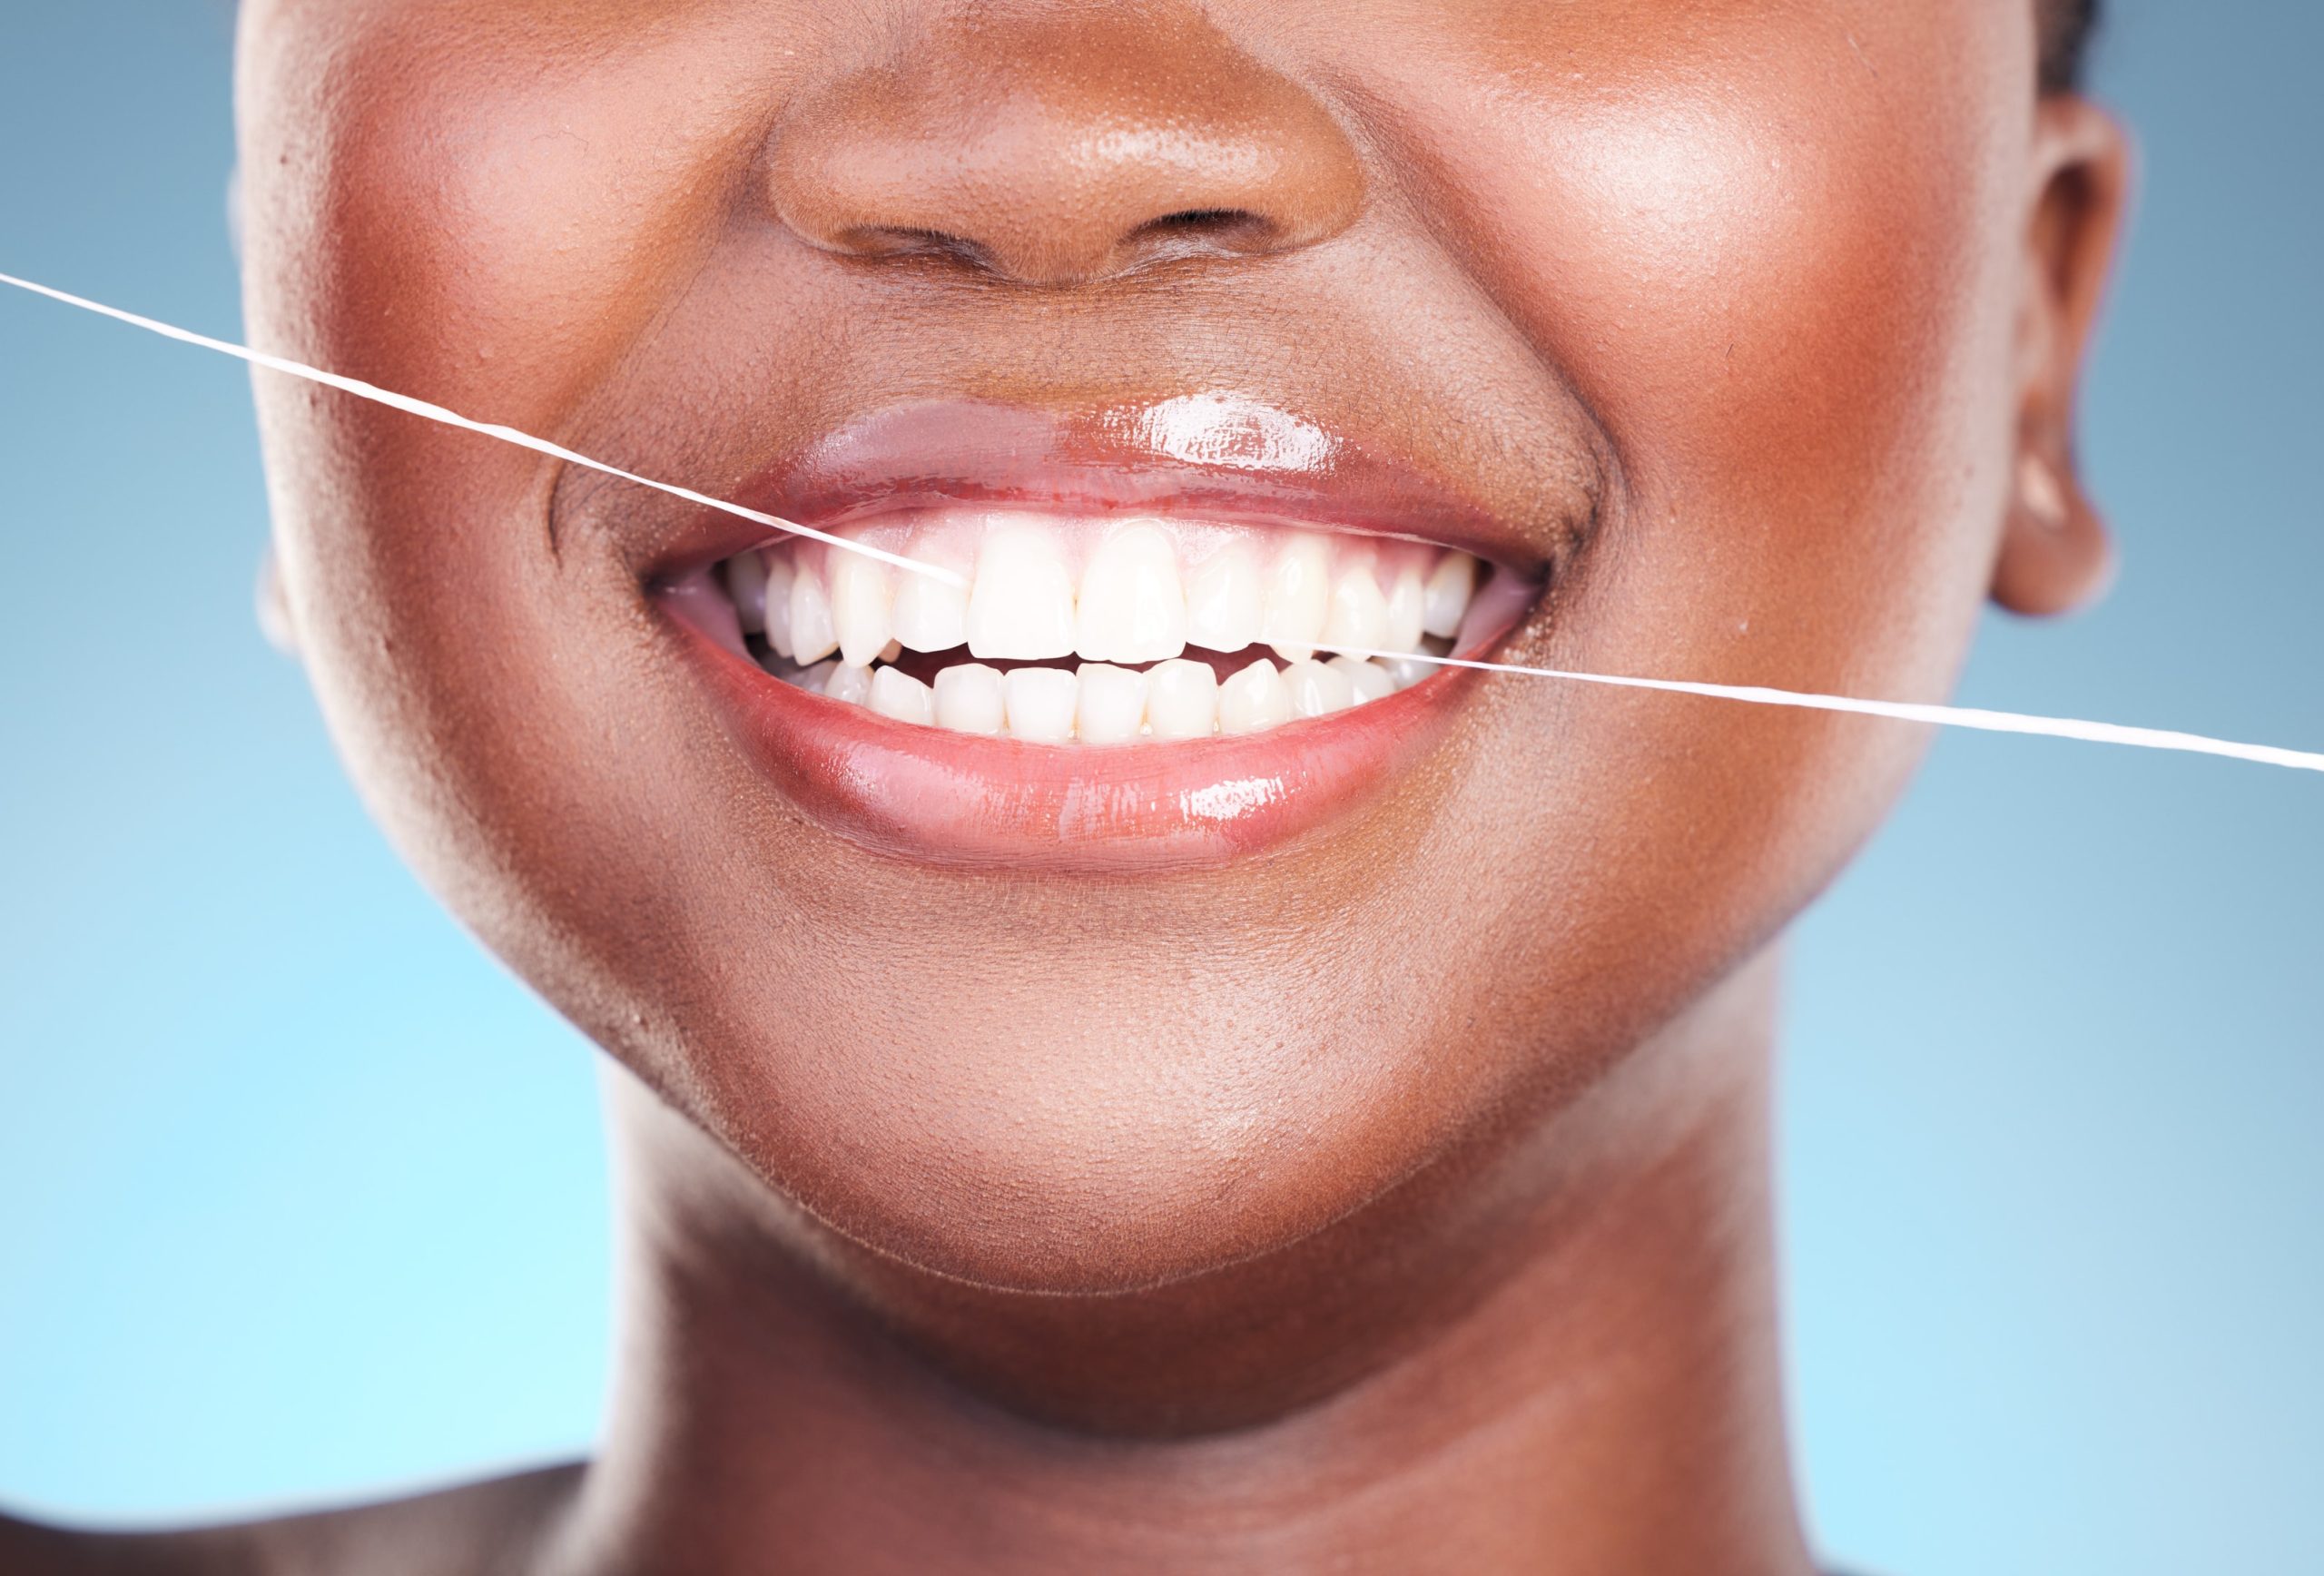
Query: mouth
<point x="1085" y="684"/>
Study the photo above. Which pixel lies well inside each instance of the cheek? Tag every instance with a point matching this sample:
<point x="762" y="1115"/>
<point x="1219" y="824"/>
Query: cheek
<point x="1771" y="253"/>
<point x="490" y="215"/>
<point x="1775" y="262"/>
<point x="485" y="207"/>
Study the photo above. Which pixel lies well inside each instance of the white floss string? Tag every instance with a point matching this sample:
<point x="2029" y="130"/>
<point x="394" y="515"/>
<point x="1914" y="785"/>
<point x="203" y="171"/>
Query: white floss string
<point x="1757" y="694"/>
<point x="1902" y="711"/>
<point x="356" y="386"/>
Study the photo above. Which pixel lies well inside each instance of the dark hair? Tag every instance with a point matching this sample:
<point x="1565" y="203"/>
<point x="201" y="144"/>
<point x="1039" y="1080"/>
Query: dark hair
<point x="2066" y="28"/>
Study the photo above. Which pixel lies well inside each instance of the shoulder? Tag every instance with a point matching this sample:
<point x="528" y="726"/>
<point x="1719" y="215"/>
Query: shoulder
<point x="494" y="1528"/>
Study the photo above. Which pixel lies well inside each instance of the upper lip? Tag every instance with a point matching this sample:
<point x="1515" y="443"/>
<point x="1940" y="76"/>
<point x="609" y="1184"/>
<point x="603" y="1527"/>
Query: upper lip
<point x="1208" y="456"/>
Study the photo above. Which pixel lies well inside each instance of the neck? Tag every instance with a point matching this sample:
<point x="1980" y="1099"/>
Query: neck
<point x="1563" y="1359"/>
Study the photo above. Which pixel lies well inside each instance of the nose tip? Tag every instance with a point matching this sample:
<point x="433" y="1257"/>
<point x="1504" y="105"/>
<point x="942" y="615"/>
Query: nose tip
<point x="1061" y="144"/>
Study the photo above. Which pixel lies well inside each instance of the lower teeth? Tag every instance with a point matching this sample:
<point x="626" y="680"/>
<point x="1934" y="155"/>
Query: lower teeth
<point x="1103" y="703"/>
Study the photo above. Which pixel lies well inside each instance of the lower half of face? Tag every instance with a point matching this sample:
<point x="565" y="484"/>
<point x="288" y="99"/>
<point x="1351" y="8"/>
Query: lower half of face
<point x="1106" y="883"/>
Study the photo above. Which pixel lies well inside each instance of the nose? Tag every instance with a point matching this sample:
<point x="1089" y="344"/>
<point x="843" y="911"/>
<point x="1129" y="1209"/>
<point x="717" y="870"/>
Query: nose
<point x="1060" y="141"/>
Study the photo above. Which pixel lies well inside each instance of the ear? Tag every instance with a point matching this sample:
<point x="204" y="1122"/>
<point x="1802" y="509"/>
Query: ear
<point x="2055" y="552"/>
<point x="274" y="607"/>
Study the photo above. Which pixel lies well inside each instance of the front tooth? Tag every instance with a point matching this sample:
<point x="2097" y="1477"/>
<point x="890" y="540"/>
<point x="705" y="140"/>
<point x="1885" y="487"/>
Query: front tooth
<point x="1447" y="599"/>
<point x="815" y="680"/>
<point x="1225" y="603"/>
<point x="746" y="584"/>
<point x="896" y="693"/>
<point x="1182" y="700"/>
<point x="1040" y="703"/>
<point x="1112" y="704"/>
<point x="1371" y="680"/>
<point x="1315" y="689"/>
<point x="1021" y="605"/>
<point x="860" y="598"/>
<point x="930" y="615"/>
<point x="1359" y="614"/>
<point x="846" y="681"/>
<point x="779" y="578"/>
<point x="813" y="635"/>
<point x="970" y="698"/>
<point x="1253" y="699"/>
<point x="1407" y="611"/>
<point x="1130" y="608"/>
<point x="1298" y="595"/>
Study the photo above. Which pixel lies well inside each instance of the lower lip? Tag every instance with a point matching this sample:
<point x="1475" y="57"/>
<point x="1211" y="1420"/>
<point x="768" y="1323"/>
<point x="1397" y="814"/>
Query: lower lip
<point x="933" y="795"/>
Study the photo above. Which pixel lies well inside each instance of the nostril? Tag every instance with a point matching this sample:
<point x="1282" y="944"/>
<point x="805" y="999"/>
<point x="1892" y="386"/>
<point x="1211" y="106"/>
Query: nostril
<point x="884" y="241"/>
<point x="1225" y="229"/>
<point x="1201" y="218"/>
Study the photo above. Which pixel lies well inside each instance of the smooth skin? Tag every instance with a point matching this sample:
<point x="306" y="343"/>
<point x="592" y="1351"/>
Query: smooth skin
<point x="1397" y="1201"/>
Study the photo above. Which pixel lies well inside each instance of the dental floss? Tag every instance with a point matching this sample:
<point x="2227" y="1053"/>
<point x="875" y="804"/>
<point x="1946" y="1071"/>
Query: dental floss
<point x="1976" y="717"/>
<point x="405" y="402"/>
<point x="1757" y="694"/>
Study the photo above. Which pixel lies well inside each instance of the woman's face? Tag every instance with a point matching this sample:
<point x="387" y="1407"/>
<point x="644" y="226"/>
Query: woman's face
<point x="1719" y="329"/>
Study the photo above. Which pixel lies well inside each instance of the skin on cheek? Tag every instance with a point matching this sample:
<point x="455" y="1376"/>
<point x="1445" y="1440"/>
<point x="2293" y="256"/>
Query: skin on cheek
<point x="1781" y="283"/>
<point x="511" y="207"/>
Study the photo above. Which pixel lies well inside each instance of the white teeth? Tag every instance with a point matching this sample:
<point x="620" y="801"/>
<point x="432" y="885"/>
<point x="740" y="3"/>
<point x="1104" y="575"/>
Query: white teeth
<point x="836" y="623"/>
<point x="1447" y="600"/>
<point x="814" y="636"/>
<point x="1182" y="700"/>
<point x="896" y="693"/>
<point x="1223" y="600"/>
<point x="970" y="698"/>
<point x="1358" y="616"/>
<point x="860" y="598"/>
<point x="1407" y="608"/>
<point x="1130" y="608"/>
<point x="1316" y="689"/>
<point x="746" y="584"/>
<point x="929" y="614"/>
<point x="1371" y="681"/>
<point x="1040" y="703"/>
<point x="1253" y="699"/>
<point x="1297" y="598"/>
<point x="1112" y="706"/>
<point x="777" y="601"/>
<point x="1021" y="605"/>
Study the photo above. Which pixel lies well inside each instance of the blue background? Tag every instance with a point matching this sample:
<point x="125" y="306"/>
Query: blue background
<point x="301" y="1196"/>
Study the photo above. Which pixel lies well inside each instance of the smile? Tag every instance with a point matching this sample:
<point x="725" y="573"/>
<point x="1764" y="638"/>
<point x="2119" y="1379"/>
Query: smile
<point x="1102" y="676"/>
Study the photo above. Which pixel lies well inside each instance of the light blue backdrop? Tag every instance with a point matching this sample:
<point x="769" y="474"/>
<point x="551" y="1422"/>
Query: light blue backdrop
<point x="300" y="1196"/>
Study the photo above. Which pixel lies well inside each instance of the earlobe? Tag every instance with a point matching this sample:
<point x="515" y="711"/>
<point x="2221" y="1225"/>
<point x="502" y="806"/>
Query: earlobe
<point x="2055" y="554"/>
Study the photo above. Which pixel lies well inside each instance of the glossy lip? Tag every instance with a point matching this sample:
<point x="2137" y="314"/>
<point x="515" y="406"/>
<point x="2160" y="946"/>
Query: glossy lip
<point x="933" y="795"/>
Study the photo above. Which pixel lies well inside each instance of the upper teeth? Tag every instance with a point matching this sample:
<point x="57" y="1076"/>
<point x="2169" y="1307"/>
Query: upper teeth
<point x="1131" y="603"/>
